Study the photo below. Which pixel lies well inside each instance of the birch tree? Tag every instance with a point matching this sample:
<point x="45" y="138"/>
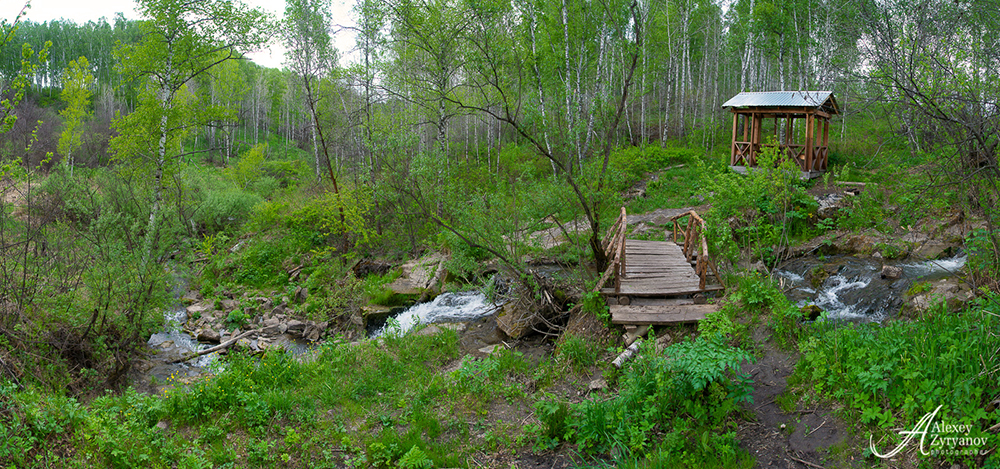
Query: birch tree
<point x="77" y="81"/>
<point x="182" y="39"/>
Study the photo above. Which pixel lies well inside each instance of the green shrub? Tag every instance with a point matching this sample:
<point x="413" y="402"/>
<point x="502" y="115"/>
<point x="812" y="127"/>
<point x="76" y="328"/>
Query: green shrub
<point x="226" y="209"/>
<point x="759" y="212"/>
<point x="692" y="389"/>
<point x="594" y="303"/>
<point x="580" y="353"/>
<point x="890" y="375"/>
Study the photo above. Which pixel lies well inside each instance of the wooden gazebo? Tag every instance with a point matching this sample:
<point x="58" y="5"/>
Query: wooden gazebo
<point x="754" y="112"/>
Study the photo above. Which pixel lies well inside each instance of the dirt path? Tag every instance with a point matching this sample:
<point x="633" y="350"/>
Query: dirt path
<point x="800" y="438"/>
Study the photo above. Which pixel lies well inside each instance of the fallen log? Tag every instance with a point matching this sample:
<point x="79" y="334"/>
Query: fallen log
<point x="627" y="354"/>
<point x="222" y="346"/>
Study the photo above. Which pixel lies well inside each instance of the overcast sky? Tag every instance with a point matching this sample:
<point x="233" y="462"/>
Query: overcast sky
<point x="82" y="11"/>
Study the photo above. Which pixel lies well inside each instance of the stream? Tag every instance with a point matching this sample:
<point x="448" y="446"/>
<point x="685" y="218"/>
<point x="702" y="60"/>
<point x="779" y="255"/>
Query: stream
<point x="463" y="306"/>
<point x="851" y="288"/>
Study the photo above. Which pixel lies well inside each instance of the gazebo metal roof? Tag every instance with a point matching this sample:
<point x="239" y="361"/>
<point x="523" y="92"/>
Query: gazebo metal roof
<point x="775" y="99"/>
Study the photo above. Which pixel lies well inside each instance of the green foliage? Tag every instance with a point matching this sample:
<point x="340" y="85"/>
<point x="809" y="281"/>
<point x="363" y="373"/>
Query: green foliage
<point x="758" y="295"/>
<point x="720" y="324"/>
<point x="890" y="375"/>
<point x="226" y="209"/>
<point x="415" y="459"/>
<point x="77" y="81"/>
<point x="287" y="173"/>
<point x="237" y="318"/>
<point x="321" y="214"/>
<point x="629" y="165"/>
<point x="761" y="212"/>
<point x="374" y="288"/>
<point x="983" y="262"/>
<point x="249" y="168"/>
<point x="694" y="387"/>
<point x="594" y="303"/>
<point x="580" y="353"/>
<point x="555" y="418"/>
<point x="488" y="376"/>
<point x="249" y="389"/>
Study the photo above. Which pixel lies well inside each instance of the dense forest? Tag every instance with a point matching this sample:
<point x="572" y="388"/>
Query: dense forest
<point x="147" y="167"/>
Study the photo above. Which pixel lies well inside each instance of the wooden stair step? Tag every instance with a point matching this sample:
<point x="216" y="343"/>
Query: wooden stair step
<point x="660" y="315"/>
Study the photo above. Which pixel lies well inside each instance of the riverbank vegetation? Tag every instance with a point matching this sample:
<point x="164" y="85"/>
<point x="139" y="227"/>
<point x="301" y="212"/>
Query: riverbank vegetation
<point x="144" y="164"/>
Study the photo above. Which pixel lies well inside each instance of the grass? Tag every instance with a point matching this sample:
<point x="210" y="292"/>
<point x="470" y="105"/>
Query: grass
<point x="889" y="376"/>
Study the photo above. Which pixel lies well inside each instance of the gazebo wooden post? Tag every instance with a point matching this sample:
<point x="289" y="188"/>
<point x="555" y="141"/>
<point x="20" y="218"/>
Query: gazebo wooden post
<point x="826" y="142"/>
<point x="732" y="154"/>
<point x="810" y="142"/>
<point x="755" y="138"/>
<point x="788" y="136"/>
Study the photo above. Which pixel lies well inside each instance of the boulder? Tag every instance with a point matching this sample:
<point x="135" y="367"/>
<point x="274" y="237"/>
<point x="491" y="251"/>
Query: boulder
<point x="209" y="335"/>
<point x="418" y="275"/>
<point x="198" y="309"/>
<point x="830" y="205"/>
<point x="312" y="333"/>
<point x="951" y="291"/>
<point x="301" y="294"/>
<point x="229" y="304"/>
<point x="811" y="312"/>
<point x="295" y="326"/>
<point x="933" y="249"/>
<point x="891" y="272"/>
<point x="516" y="322"/>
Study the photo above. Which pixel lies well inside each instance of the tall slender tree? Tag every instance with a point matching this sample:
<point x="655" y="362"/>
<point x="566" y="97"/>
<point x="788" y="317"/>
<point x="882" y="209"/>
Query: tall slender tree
<point x="77" y="81"/>
<point x="182" y="39"/>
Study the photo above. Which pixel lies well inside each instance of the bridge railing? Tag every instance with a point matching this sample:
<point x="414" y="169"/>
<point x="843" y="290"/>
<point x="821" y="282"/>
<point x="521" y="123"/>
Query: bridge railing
<point x="614" y="250"/>
<point x="695" y="245"/>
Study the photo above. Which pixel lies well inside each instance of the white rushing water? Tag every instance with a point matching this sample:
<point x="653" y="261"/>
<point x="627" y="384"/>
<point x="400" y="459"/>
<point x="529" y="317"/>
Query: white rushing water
<point x="935" y="269"/>
<point x="447" y="307"/>
<point x="831" y="300"/>
<point x="856" y="292"/>
<point x="179" y="339"/>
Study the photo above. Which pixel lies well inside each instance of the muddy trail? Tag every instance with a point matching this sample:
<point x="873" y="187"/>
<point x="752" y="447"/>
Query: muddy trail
<point x="778" y="436"/>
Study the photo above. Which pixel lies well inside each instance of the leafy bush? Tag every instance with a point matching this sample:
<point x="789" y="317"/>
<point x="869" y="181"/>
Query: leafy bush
<point x="759" y="295"/>
<point x="226" y="209"/>
<point x="760" y="212"/>
<point x="594" y="303"/>
<point x="580" y="353"/>
<point x="695" y="385"/>
<point x="890" y="375"/>
<point x="286" y="172"/>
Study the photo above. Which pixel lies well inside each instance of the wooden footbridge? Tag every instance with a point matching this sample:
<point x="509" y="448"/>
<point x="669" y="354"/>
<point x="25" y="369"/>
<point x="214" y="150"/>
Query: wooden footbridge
<point x="659" y="282"/>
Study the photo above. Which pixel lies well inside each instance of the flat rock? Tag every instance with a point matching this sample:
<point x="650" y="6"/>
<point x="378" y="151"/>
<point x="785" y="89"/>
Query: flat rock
<point x="198" y="308"/>
<point x="891" y="272"/>
<point x="455" y="326"/>
<point x="932" y="249"/>
<point x="429" y="330"/>
<point x="489" y="349"/>
<point x="295" y="326"/>
<point x="597" y="384"/>
<point x="420" y="272"/>
<point x="515" y="322"/>
<point x="209" y="335"/>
